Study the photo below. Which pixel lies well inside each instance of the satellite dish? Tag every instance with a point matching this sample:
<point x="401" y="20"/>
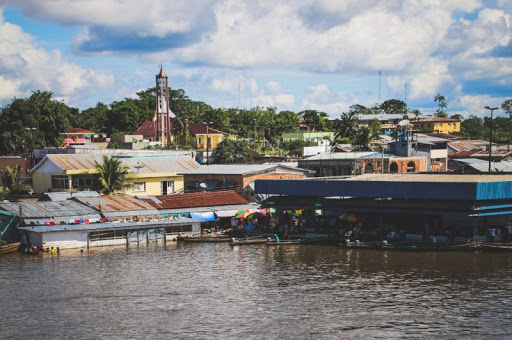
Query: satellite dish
<point x="203" y="185"/>
<point x="404" y="122"/>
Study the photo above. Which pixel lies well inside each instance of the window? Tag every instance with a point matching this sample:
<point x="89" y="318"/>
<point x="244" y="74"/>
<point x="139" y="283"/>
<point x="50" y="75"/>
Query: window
<point x="139" y="186"/>
<point x="81" y="182"/>
<point x="60" y="182"/>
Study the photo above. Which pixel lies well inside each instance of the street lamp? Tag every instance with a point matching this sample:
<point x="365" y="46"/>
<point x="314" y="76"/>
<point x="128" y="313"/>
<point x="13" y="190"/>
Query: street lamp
<point x="490" y="134"/>
<point x="207" y="145"/>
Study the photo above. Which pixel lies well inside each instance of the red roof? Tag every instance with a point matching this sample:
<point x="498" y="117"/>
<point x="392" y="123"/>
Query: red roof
<point x="78" y="131"/>
<point x="197" y="199"/>
<point x="434" y="119"/>
<point x="445" y="136"/>
<point x="148" y="129"/>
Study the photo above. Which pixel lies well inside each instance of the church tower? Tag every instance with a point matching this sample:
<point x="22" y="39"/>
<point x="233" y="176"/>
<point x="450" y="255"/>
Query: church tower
<point x="163" y="111"/>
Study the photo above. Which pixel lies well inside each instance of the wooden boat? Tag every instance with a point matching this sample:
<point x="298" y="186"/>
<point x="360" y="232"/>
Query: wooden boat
<point x="9" y="248"/>
<point x="428" y="247"/>
<point x="282" y="242"/>
<point x="247" y="240"/>
<point x="206" y="239"/>
<point x="496" y="248"/>
<point x="359" y="245"/>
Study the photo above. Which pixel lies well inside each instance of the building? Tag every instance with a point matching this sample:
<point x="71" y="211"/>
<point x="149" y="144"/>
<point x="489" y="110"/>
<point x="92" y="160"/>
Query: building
<point x="148" y="175"/>
<point x="239" y="177"/>
<point x="330" y="164"/>
<point x="437" y="125"/>
<point x="388" y="121"/>
<point x="452" y="207"/>
<point x="77" y="136"/>
<point x="321" y="138"/>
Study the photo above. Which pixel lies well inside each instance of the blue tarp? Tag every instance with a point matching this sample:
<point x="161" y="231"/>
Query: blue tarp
<point x="203" y="216"/>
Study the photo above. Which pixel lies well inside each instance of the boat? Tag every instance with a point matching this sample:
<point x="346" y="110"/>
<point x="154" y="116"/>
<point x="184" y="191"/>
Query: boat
<point x="247" y="240"/>
<point x="429" y="247"/>
<point x="283" y="242"/>
<point x="9" y="248"/>
<point x="496" y="248"/>
<point x="206" y="239"/>
<point x="359" y="245"/>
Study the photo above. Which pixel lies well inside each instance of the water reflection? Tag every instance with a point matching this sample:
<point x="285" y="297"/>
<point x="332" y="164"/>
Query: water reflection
<point x="220" y="291"/>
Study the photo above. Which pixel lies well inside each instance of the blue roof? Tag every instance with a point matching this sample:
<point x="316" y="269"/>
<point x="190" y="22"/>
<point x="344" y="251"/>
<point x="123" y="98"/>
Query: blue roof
<point x="417" y="186"/>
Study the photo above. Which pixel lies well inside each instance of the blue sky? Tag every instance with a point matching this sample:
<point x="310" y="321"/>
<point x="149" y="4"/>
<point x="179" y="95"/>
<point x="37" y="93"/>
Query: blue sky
<point x="293" y="55"/>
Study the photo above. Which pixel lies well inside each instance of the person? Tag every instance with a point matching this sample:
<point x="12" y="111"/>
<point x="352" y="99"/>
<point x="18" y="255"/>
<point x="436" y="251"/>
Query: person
<point x="492" y="234"/>
<point x="434" y="239"/>
<point x="277" y="238"/>
<point x="58" y="250"/>
<point x="52" y="251"/>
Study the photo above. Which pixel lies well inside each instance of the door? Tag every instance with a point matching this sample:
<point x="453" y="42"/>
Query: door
<point x="167" y="187"/>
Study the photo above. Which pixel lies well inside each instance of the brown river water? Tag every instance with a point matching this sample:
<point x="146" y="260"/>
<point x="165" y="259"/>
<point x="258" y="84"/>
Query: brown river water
<point x="216" y="291"/>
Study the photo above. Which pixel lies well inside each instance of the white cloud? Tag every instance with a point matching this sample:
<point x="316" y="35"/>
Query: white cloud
<point x="475" y="104"/>
<point x="321" y="98"/>
<point x="26" y="68"/>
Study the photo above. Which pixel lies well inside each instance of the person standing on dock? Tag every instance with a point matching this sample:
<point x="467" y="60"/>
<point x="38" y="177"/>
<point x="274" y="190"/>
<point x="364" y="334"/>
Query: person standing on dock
<point x="492" y="234"/>
<point x="277" y="238"/>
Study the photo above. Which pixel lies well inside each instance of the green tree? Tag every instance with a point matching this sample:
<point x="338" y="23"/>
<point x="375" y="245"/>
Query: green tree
<point x="111" y="176"/>
<point x="472" y="127"/>
<point x="94" y="118"/>
<point x="457" y="116"/>
<point x="360" y="109"/>
<point x="180" y="130"/>
<point x="362" y="139"/>
<point x="230" y="151"/>
<point x="12" y="180"/>
<point x="417" y="113"/>
<point x="346" y="126"/>
<point x="441" y="106"/>
<point x="375" y="127"/>
<point x="33" y="122"/>
<point x="393" y="106"/>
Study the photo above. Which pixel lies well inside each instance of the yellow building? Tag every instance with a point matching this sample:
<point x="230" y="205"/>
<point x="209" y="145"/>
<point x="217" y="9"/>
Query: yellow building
<point x="152" y="175"/>
<point x="437" y="125"/>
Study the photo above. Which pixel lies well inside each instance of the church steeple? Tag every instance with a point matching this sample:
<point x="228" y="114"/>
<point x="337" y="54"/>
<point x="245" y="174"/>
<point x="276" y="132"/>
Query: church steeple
<point x="163" y="112"/>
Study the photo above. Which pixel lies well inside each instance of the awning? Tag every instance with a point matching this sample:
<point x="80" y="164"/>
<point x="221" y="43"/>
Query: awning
<point x="226" y="213"/>
<point x="203" y="216"/>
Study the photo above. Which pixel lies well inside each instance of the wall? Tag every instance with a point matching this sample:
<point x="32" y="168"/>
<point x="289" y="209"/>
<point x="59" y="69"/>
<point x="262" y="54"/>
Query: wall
<point x="24" y="162"/>
<point x="65" y="239"/>
<point x="214" y="177"/>
<point x="247" y="180"/>
<point x="420" y="164"/>
<point x="153" y="185"/>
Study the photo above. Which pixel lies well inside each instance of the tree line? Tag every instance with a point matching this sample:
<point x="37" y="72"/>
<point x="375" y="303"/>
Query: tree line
<point x="36" y="121"/>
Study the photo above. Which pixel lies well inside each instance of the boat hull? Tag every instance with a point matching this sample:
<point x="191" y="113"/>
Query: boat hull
<point x="9" y="248"/>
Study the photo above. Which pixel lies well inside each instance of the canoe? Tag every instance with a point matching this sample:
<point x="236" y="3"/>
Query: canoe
<point x="9" y="248"/>
<point x="247" y="240"/>
<point x="498" y="248"/>
<point x="422" y="247"/>
<point x="206" y="239"/>
<point x="354" y="245"/>
<point x="282" y="242"/>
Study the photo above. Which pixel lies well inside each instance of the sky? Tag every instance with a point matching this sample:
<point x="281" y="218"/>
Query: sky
<point x="295" y="55"/>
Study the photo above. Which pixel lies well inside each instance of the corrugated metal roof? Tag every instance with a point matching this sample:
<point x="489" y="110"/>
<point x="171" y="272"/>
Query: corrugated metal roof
<point x="338" y="155"/>
<point x="163" y="164"/>
<point x="238" y="169"/>
<point x="118" y="203"/>
<point x="142" y="165"/>
<point x="495" y="166"/>
<point x="215" y="208"/>
<point x="48" y="209"/>
<point x="196" y="199"/>
<point x="62" y="196"/>
<point x="413" y="177"/>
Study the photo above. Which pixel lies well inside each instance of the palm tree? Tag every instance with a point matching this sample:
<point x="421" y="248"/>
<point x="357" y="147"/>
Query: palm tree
<point x="441" y="103"/>
<point x="111" y="176"/>
<point x="346" y="126"/>
<point x="180" y="130"/>
<point x="362" y="139"/>
<point x="12" y="180"/>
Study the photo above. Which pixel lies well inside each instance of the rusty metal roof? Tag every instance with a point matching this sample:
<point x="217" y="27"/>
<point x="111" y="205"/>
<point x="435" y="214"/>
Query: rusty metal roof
<point x="143" y="165"/>
<point x="115" y="203"/>
<point x="196" y="199"/>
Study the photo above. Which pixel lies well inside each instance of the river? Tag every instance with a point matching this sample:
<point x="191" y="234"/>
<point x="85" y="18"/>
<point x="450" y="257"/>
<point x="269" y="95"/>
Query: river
<point x="216" y="291"/>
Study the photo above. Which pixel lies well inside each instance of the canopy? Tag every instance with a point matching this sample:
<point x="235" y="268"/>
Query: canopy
<point x="203" y="216"/>
<point x="350" y="217"/>
<point x="246" y="212"/>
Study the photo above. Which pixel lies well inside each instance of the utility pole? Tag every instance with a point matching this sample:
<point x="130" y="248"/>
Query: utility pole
<point x="490" y="134"/>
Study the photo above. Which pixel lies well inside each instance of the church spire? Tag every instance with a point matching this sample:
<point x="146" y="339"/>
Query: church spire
<point x="163" y="122"/>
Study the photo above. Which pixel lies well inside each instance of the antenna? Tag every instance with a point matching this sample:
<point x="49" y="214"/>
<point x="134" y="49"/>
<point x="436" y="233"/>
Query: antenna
<point x="239" y="95"/>
<point x="380" y="75"/>
<point x="405" y="101"/>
